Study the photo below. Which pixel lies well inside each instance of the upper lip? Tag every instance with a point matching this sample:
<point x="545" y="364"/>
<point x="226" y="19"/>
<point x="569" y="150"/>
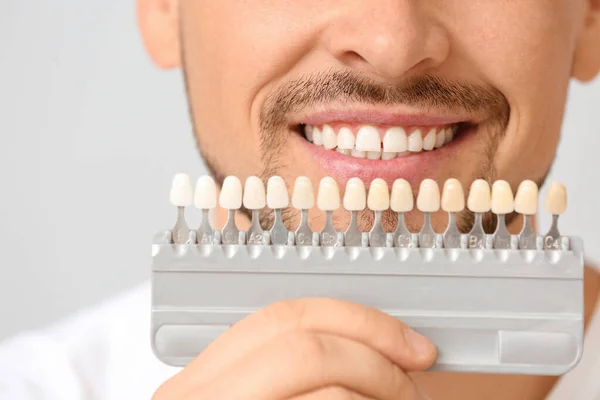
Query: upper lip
<point x="379" y="116"/>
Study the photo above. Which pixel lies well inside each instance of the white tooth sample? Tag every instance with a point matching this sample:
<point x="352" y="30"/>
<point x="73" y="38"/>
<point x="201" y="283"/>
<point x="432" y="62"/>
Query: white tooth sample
<point x="394" y="140"/>
<point x="254" y="197"/>
<point x="428" y="199"/>
<point x="329" y="137"/>
<point x="415" y="141"/>
<point x="181" y="190"/>
<point x="317" y="136"/>
<point x="205" y="196"/>
<point x="480" y="196"/>
<point x="277" y="194"/>
<point x="429" y="141"/>
<point x="358" y="154"/>
<point x="230" y="197"/>
<point x="374" y="155"/>
<point x="526" y="199"/>
<point x="503" y="200"/>
<point x="440" y="138"/>
<point x="308" y="132"/>
<point x="453" y="196"/>
<point x="401" y="199"/>
<point x="355" y="196"/>
<point x="303" y="196"/>
<point x="388" y="156"/>
<point x="345" y="139"/>
<point x="368" y="139"/>
<point x="449" y="135"/>
<point x="379" y="195"/>
<point x="328" y="197"/>
<point x="556" y="201"/>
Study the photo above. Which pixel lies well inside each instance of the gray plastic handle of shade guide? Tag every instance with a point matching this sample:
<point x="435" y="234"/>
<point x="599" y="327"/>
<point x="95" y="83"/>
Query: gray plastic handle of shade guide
<point x="486" y="310"/>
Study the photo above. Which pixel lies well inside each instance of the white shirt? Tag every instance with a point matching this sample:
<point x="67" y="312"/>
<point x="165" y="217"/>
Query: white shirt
<point x="104" y="353"/>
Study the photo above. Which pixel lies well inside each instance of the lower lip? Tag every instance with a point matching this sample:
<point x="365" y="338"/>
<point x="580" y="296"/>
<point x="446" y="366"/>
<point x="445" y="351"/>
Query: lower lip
<point x="413" y="167"/>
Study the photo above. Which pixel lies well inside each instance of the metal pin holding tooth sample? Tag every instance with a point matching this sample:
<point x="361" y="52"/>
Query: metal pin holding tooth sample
<point x="277" y="199"/>
<point x="205" y="199"/>
<point x="503" y="203"/>
<point x="254" y="199"/>
<point x="303" y="199"/>
<point x="526" y="203"/>
<point x="378" y="201"/>
<point x="556" y="205"/>
<point x="230" y="199"/>
<point x="402" y="201"/>
<point x="428" y="201"/>
<point x="453" y="202"/>
<point x="479" y="202"/>
<point x="355" y="200"/>
<point x="181" y="196"/>
<point x="328" y="200"/>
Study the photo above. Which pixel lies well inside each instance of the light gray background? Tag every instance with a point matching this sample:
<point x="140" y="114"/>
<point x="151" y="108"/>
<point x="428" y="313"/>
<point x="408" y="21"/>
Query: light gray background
<point x="91" y="136"/>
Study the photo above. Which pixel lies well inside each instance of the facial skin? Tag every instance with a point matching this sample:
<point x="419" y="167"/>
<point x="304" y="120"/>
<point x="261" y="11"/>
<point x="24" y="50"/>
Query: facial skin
<point x="256" y="70"/>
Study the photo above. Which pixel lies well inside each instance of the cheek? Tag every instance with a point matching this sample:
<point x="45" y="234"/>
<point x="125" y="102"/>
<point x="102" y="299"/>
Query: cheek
<point x="525" y="49"/>
<point x="234" y="53"/>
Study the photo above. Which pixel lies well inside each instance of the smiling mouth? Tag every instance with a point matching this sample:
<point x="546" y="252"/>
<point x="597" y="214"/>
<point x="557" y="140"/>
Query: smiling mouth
<point x="380" y="142"/>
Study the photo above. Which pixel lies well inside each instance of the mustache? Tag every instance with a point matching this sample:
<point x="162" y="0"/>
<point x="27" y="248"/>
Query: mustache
<point x="347" y="87"/>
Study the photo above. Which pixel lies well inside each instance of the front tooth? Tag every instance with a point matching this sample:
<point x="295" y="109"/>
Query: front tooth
<point x="328" y="198"/>
<point x="379" y="195"/>
<point x="415" y="141"/>
<point x="308" y="132"/>
<point x="503" y="201"/>
<point x="230" y="197"/>
<point x="428" y="199"/>
<point x="388" y="156"/>
<point x="556" y="200"/>
<point x="401" y="199"/>
<point x="526" y="199"/>
<point x="277" y="194"/>
<point x="329" y="138"/>
<point x="453" y="196"/>
<point x="480" y="197"/>
<point x="343" y="151"/>
<point x="440" y="138"/>
<point x="374" y="155"/>
<point x="368" y="139"/>
<point x="317" y="136"/>
<point x="181" y="191"/>
<point x="429" y="141"/>
<point x="345" y="139"/>
<point x="355" y="197"/>
<point x="394" y="140"/>
<point x="303" y="196"/>
<point x="254" y="193"/>
<point x="448" y="135"/>
<point x="358" y="154"/>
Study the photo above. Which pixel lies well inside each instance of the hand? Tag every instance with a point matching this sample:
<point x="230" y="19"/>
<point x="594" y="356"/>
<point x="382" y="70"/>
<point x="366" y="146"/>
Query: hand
<point x="307" y="349"/>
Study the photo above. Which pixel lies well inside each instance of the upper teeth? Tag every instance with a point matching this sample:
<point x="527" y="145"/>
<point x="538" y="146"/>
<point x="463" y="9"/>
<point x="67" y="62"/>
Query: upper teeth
<point x="368" y="143"/>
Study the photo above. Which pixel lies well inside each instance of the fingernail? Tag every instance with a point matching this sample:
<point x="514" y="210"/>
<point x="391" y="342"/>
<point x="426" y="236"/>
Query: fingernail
<point x="418" y="343"/>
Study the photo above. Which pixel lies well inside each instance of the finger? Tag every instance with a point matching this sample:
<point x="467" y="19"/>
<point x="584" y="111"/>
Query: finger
<point x="300" y="362"/>
<point x="384" y="333"/>
<point x="332" y="393"/>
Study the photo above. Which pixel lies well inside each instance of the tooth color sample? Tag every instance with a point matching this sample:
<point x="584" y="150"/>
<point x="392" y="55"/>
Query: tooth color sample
<point x="328" y="198"/>
<point x="181" y="190"/>
<point x="254" y="194"/>
<point x="526" y="199"/>
<point x="277" y="195"/>
<point x="303" y="196"/>
<point x="231" y="193"/>
<point x="355" y="195"/>
<point x="428" y="199"/>
<point x="401" y="199"/>
<point x="453" y="196"/>
<point x="205" y="196"/>
<point x="556" y="201"/>
<point x="379" y="195"/>
<point x="503" y="200"/>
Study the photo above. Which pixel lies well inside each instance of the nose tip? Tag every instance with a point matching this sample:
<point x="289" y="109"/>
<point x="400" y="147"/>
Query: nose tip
<point x="388" y="44"/>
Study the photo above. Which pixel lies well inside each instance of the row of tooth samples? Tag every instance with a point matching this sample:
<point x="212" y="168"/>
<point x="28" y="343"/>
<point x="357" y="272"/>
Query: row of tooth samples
<point x="369" y="142"/>
<point x="254" y="196"/>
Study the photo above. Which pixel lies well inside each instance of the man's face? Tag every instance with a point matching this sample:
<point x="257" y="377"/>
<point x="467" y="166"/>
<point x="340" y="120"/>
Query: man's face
<point x="482" y="82"/>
